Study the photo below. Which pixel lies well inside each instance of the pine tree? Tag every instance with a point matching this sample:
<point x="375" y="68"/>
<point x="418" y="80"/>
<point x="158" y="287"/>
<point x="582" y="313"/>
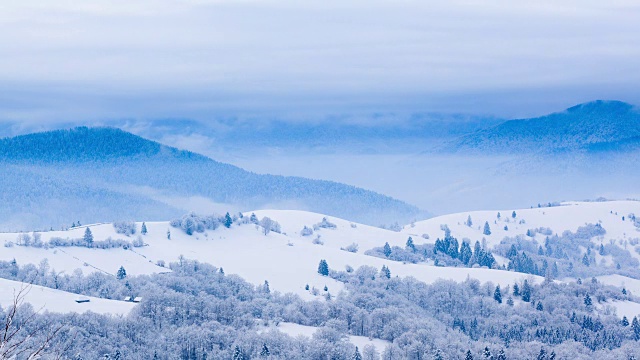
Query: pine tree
<point x="516" y="290"/>
<point x="624" y="291"/>
<point x="487" y="353"/>
<point x="265" y="351"/>
<point x="438" y="355"/>
<point x="587" y="300"/>
<point x="117" y="355"/>
<point x="326" y="288"/>
<point x="585" y="260"/>
<point x="356" y="355"/>
<point x="227" y="221"/>
<point x="468" y="356"/>
<point x="499" y="215"/>
<point x="539" y="306"/>
<point x="526" y="291"/>
<point x="487" y="229"/>
<point x="510" y="301"/>
<point x="144" y="229"/>
<point x="385" y="272"/>
<point x="266" y="287"/>
<point x="410" y="244"/>
<point x="88" y="237"/>
<point x="387" y="249"/>
<point x="323" y="268"/>
<point x="513" y="214"/>
<point x="635" y="325"/>
<point x="469" y="223"/>
<point x="168" y="234"/>
<point x="501" y="355"/>
<point x="625" y="321"/>
<point x="542" y="355"/>
<point x="122" y="273"/>
<point x="497" y="295"/>
<point x="237" y="354"/>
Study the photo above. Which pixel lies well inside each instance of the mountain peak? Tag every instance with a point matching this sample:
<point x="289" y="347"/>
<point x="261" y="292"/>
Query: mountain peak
<point x="80" y="144"/>
<point x="610" y="106"/>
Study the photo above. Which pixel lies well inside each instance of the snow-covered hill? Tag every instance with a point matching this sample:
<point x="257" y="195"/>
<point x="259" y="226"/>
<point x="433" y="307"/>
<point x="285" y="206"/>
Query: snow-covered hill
<point x="46" y="299"/>
<point x="289" y="260"/>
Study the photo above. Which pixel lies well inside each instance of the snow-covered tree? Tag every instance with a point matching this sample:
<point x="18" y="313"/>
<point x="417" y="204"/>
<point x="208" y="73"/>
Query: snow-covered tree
<point x="323" y="268"/>
<point x="143" y="230"/>
<point x="487" y="229"/>
<point x="386" y="249"/>
<point x="88" y="237"/>
<point x="122" y="273"/>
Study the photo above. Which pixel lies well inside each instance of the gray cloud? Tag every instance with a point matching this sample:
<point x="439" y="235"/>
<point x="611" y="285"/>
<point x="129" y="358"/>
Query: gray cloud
<point x="103" y="59"/>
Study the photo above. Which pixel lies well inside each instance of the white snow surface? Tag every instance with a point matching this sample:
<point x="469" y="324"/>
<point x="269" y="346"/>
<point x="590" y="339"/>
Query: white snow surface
<point x="51" y="300"/>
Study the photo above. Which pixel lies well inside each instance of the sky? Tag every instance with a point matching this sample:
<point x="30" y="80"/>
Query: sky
<point x="96" y="60"/>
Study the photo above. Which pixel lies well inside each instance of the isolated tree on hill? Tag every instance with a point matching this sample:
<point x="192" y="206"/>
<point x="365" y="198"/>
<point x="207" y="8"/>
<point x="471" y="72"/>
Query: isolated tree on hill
<point x="227" y="221"/>
<point x="122" y="273"/>
<point x="487" y="229"/>
<point x="266" y="224"/>
<point x="468" y="222"/>
<point x="88" y="237"/>
<point x="410" y="244"/>
<point x="144" y="229"/>
<point x="498" y="215"/>
<point x="168" y="234"/>
<point x="497" y="295"/>
<point x="323" y="268"/>
<point x="513" y="214"/>
<point x="387" y="249"/>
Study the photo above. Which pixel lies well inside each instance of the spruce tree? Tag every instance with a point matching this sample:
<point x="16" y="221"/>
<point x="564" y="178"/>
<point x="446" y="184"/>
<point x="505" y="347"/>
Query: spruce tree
<point x="539" y="306"/>
<point x="487" y="229"/>
<point x="497" y="295"/>
<point x="323" y="268"/>
<point x="410" y="245"/>
<point x="587" y="300"/>
<point x="265" y="351"/>
<point x="438" y="355"/>
<point x="487" y="353"/>
<point x="513" y="214"/>
<point x="469" y="223"/>
<point x="227" y="221"/>
<point x="468" y="356"/>
<point x="144" y="229"/>
<point x="237" y="354"/>
<point x="526" y="291"/>
<point x="585" y="260"/>
<point x="385" y="272"/>
<point x="356" y="355"/>
<point x="542" y="355"/>
<point x="501" y="355"/>
<point x="625" y="321"/>
<point x="387" y="249"/>
<point x="122" y="273"/>
<point x="88" y="237"/>
<point x="635" y="325"/>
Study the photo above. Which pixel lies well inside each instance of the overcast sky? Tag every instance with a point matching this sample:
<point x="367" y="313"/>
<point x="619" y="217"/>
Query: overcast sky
<point x="95" y="60"/>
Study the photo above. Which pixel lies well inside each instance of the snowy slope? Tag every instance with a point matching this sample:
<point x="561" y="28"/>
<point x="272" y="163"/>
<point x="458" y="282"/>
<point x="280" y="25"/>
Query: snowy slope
<point x="46" y="299"/>
<point x="288" y="261"/>
<point x="568" y="216"/>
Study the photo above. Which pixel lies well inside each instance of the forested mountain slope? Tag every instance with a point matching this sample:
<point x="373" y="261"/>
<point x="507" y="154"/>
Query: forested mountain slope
<point x="54" y="178"/>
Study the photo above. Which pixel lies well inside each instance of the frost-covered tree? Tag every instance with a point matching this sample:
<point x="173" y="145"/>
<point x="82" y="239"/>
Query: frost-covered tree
<point x="513" y="214"/>
<point x="356" y="355"/>
<point x="526" y="291"/>
<point x="143" y="230"/>
<point x="385" y="272"/>
<point x="497" y="295"/>
<point x="587" y="300"/>
<point x="265" y="351"/>
<point x="386" y="249"/>
<point x="88" y="237"/>
<point x="227" y="220"/>
<point x="122" y="273"/>
<point x="323" y="268"/>
<point x="468" y="356"/>
<point x="487" y="229"/>
<point x="410" y="245"/>
<point x="469" y="223"/>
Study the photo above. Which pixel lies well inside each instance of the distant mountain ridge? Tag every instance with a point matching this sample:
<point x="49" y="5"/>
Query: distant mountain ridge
<point x="594" y="126"/>
<point x="106" y="174"/>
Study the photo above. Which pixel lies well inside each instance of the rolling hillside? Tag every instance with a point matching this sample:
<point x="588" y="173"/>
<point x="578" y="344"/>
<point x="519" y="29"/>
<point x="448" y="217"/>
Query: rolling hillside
<point x="55" y="178"/>
<point x="594" y="127"/>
